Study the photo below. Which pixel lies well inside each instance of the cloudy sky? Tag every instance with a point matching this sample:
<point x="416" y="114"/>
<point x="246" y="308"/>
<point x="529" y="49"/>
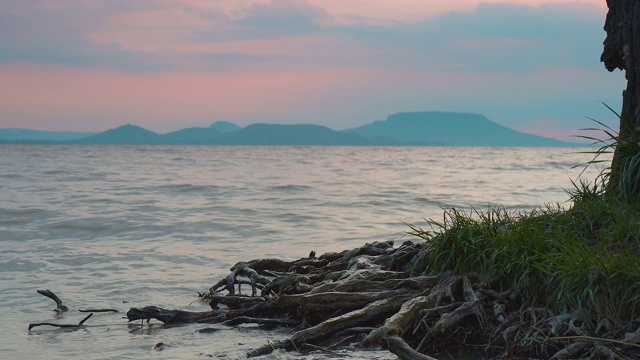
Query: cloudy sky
<point x="91" y="65"/>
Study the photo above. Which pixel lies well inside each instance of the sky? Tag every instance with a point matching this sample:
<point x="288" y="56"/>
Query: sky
<point x="90" y="65"/>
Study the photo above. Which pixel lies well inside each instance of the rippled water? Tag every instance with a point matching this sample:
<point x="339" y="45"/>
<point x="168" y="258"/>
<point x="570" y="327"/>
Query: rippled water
<point x="129" y="226"/>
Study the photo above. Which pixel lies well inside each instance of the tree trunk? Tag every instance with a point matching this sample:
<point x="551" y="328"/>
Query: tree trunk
<point x="622" y="51"/>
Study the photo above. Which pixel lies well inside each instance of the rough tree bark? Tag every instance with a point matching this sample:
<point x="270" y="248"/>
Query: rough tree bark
<point x="622" y="51"/>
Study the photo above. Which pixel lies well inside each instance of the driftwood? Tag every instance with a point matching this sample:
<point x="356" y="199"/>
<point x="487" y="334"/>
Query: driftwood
<point x="372" y="296"/>
<point x="373" y="312"/>
<point x="172" y="316"/>
<point x="64" y="326"/>
<point x="60" y="306"/>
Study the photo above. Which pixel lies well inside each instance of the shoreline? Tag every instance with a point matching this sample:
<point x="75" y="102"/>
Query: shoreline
<point x="372" y="297"/>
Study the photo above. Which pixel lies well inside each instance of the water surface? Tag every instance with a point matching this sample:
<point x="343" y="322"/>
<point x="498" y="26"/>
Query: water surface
<point x="129" y="226"/>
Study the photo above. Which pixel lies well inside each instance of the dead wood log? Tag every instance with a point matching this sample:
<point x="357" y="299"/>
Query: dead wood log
<point x="258" y="310"/>
<point x="261" y="265"/>
<point x="402" y="321"/>
<point x="98" y="310"/>
<point x="305" y="266"/>
<point x="331" y="302"/>
<point x="65" y="326"/>
<point x="390" y="334"/>
<point x="472" y="307"/>
<point x="260" y="321"/>
<point x="234" y="301"/>
<point x="414" y="283"/>
<point x="60" y="306"/>
<point x="402" y="350"/>
<point x="409" y="313"/>
<point x="308" y="348"/>
<point x="281" y="284"/>
<point x="372" y="274"/>
<point x="177" y="317"/>
<point x="340" y="261"/>
<point x="449" y="321"/>
<point x="242" y="269"/>
<point x="170" y="316"/>
<point x="369" y="262"/>
<point x="355" y="330"/>
<point x="374" y="312"/>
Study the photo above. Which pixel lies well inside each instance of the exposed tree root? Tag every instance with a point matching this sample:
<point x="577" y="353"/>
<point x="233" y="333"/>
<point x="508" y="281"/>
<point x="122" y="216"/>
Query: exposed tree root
<point x="368" y="296"/>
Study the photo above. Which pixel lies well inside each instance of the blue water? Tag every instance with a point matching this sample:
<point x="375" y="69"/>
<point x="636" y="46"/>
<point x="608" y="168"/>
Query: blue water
<point x="128" y="226"/>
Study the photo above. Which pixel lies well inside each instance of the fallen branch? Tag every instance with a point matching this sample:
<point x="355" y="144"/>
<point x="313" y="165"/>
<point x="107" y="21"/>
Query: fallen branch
<point x="260" y="321"/>
<point x="377" y="310"/>
<point x="66" y="326"/>
<point x="98" y="310"/>
<point x="60" y="306"/>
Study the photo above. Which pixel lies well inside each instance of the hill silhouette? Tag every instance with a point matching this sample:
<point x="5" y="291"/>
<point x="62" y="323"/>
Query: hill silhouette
<point x="191" y="136"/>
<point x="16" y="134"/>
<point x="224" y="126"/>
<point x="450" y="129"/>
<point x="123" y="135"/>
<point x="412" y="129"/>
<point x="276" y="134"/>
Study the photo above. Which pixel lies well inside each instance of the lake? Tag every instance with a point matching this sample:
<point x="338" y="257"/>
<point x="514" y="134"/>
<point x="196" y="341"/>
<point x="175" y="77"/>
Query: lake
<point x="131" y="226"/>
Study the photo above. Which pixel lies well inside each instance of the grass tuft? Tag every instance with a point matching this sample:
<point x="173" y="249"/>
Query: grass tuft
<point x="584" y="260"/>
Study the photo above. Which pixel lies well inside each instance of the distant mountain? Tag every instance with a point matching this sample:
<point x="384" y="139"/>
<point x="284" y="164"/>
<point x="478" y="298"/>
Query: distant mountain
<point x="275" y="134"/>
<point x="403" y="129"/>
<point x="450" y="129"/>
<point x="224" y="126"/>
<point x="26" y="134"/>
<point x="123" y="135"/>
<point x="191" y="136"/>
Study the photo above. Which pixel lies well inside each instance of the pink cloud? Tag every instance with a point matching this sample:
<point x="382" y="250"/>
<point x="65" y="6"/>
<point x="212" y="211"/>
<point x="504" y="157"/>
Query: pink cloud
<point x="375" y="11"/>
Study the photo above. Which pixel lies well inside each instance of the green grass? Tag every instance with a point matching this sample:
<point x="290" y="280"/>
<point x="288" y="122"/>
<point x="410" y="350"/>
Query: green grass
<point x="621" y="178"/>
<point x="585" y="259"/>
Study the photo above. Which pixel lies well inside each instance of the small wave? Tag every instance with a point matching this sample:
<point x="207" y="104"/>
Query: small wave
<point x="289" y="188"/>
<point x="81" y="259"/>
<point x="187" y="188"/>
<point x="12" y="176"/>
<point x="154" y="149"/>
<point x="103" y="201"/>
<point x="22" y="212"/>
<point x="88" y="225"/>
<point x="20" y="265"/>
<point x="423" y="200"/>
<point x="54" y="172"/>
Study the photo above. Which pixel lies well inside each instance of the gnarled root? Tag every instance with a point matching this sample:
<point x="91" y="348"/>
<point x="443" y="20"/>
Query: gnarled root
<point x="375" y="311"/>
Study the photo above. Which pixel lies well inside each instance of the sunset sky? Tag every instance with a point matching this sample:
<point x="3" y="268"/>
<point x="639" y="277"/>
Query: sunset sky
<point x="89" y="65"/>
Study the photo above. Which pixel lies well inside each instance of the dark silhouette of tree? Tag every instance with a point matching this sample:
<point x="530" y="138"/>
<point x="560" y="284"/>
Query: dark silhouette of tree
<point x="622" y="51"/>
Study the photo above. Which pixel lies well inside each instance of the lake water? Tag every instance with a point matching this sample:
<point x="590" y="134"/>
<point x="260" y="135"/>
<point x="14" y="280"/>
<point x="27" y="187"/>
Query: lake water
<point x="130" y="226"/>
